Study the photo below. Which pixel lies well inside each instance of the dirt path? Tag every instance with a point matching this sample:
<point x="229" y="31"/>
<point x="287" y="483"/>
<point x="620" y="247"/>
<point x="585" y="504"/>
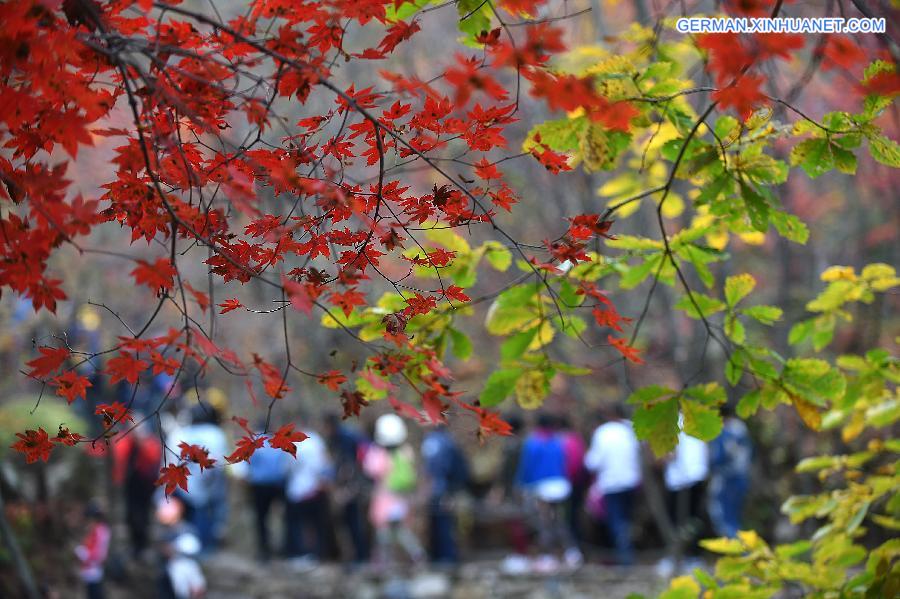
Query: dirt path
<point x="232" y="576"/>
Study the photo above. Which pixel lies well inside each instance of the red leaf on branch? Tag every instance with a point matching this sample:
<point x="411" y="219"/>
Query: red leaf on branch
<point x="299" y="295"/>
<point x="352" y="401"/>
<point x="628" y="352"/>
<point x="196" y="454"/>
<point x="332" y="379"/>
<point x="66" y="437"/>
<point x="71" y="385"/>
<point x="246" y="447"/>
<point x="159" y="275"/>
<point x="285" y="439"/>
<point x="744" y="95"/>
<point x="35" y="444"/>
<point x="229" y="305"/>
<point x="50" y="361"/>
<point x="113" y="413"/>
<point x="125" y="367"/>
<point x="172" y="477"/>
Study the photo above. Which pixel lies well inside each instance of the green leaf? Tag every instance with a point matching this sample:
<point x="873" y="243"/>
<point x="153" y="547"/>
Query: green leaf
<point x="813" y="379"/>
<point x="475" y="17"/>
<point x="701" y="421"/>
<point x="734" y="368"/>
<point x="884" y="150"/>
<point x="462" y="345"/>
<point x="635" y="275"/>
<point x="789" y="226"/>
<point x="708" y="305"/>
<point x="499" y="386"/>
<point x="516" y="345"/>
<point x="737" y="287"/>
<point x="630" y="242"/>
<point x="394" y="13"/>
<point x="497" y="255"/>
<point x="513" y="310"/>
<point x="757" y="208"/>
<point x="816" y="463"/>
<point x="649" y="393"/>
<point x="749" y="404"/>
<point x="657" y="423"/>
<point x="800" y="331"/>
<point x="817" y="156"/>
<point x="734" y="328"/>
<point x="765" y="314"/>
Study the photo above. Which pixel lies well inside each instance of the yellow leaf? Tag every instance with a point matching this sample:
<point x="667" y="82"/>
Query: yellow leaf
<point x="531" y="389"/>
<point x="543" y="337"/>
<point x="753" y="237"/>
<point x="751" y="539"/>
<point x="684" y="583"/>
<point x="878" y="270"/>
<point x="854" y="427"/>
<point x="838" y="273"/>
<point x="808" y="412"/>
<point x="673" y="206"/>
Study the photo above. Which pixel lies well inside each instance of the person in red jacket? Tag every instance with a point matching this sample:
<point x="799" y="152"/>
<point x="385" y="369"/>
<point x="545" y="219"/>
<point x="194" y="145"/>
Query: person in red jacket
<point x="93" y="550"/>
<point x="137" y="459"/>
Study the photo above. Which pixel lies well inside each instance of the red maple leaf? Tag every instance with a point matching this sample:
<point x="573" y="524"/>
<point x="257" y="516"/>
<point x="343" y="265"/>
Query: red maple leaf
<point x="285" y="439"/>
<point x="35" y="444"/>
<point x="299" y="295"/>
<point x="629" y="352"/>
<point x="457" y="293"/>
<point x="113" y="413"/>
<point x="841" y="51"/>
<point x="50" y="361"/>
<point x="200" y="297"/>
<point x="71" y="385"/>
<point x="352" y="401"/>
<point x="66" y="437"/>
<point x="246" y="447"/>
<point x="332" y="379"/>
<point x="198" y="455"/>
<point x="229" y="305"/>
<point x="173" y="476"/>
<point x="125" y="367"/>
<point x="743" y="95"/>
<point x="159" y="275"/>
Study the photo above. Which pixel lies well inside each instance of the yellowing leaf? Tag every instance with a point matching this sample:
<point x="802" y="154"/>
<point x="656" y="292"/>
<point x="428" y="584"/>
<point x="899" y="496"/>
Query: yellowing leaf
<point x="753" y="237"/>
<point x="808" y="412"/>
<point x="531" y="389"/>
<point x="838" y="273"/>
<point x="737" y="287"/>
<point x="723" y="545"/>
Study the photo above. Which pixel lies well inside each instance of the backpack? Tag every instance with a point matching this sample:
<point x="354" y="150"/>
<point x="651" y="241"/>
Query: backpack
<point x="402" y="476"/>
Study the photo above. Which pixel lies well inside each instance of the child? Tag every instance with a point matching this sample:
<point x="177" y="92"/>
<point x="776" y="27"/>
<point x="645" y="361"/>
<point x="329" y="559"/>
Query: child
<point x="391" y="463"/>
<point x="93" y="550"/>
<point x="180" y="575"/>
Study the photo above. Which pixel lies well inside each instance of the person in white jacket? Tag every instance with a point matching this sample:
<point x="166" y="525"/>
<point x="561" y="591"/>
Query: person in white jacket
<point x="307" y="500"/>
<point x="614" y="456"/>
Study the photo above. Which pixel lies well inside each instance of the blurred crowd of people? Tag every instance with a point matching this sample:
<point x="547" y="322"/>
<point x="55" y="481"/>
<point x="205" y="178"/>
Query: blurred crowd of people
<point x="376" y="497"/>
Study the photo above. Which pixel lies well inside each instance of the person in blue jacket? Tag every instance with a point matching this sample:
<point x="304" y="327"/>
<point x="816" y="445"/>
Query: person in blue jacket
<point x="731" y="455"/>
<point x="266" y="475"/>
<point x="542" y="478"/>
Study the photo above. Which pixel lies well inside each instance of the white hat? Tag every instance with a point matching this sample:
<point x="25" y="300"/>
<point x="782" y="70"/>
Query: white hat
<point x="390" y="430"/>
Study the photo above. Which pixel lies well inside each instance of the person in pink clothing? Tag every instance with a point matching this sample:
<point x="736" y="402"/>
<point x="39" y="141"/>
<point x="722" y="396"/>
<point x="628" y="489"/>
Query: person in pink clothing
<point x="93" y="550"/>
<point x="391" y="464"/>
